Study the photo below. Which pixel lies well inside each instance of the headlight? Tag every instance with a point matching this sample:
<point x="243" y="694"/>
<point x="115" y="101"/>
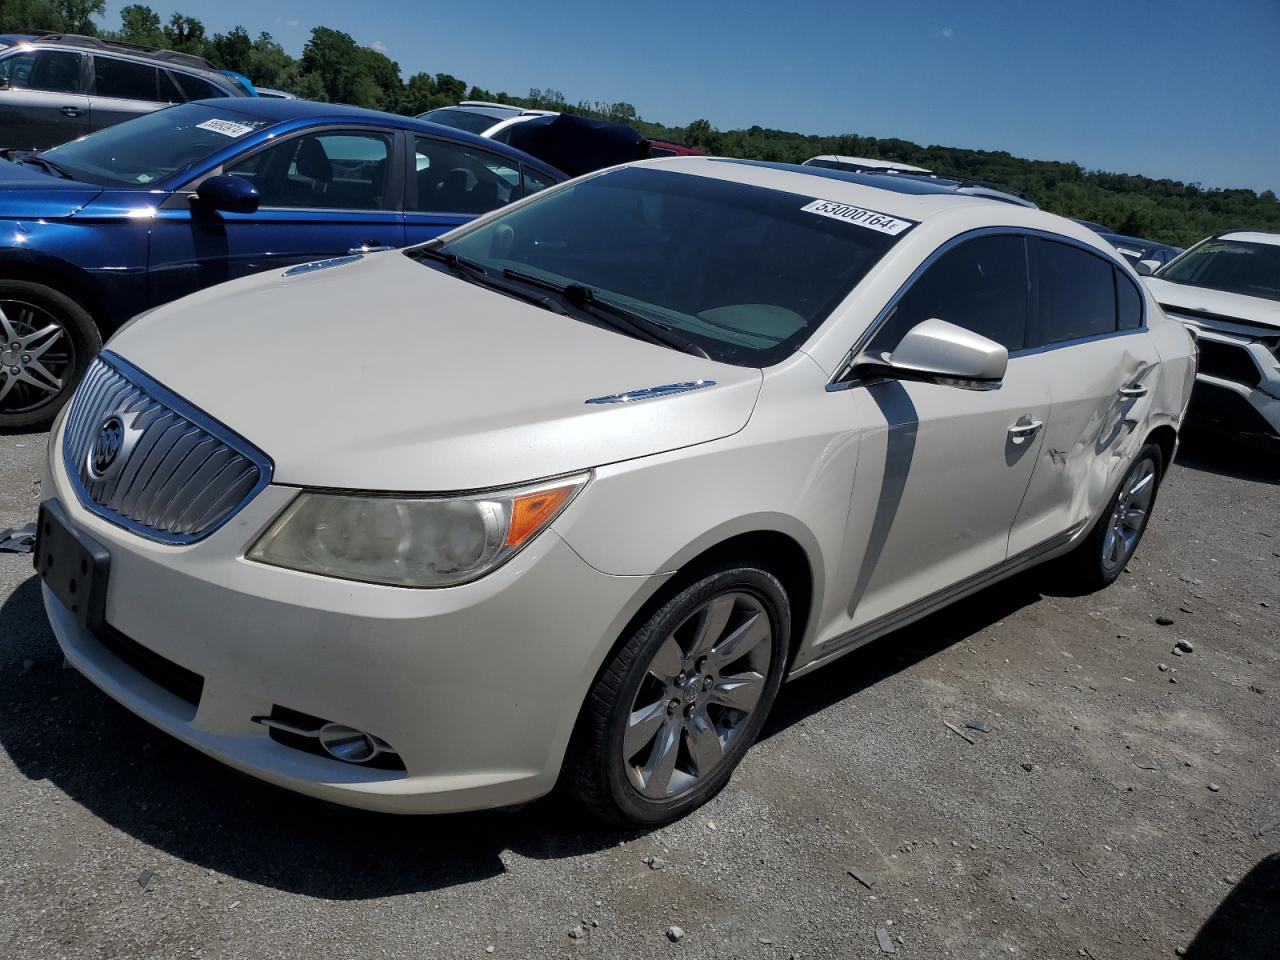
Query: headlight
<point x="410" y="541"/>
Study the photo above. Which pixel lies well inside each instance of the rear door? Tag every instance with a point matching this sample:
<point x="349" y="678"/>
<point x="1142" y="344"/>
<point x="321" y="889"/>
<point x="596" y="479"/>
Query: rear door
<point x="124" y="89"/>
<point x="450" y="184"/>
<point x="42" y="98"/>
<point x="325" y="193"/>
<point x="1092" y="350"/>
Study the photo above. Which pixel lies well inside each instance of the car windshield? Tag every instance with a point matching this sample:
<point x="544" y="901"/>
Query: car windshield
<point x="139" y="152"/>
<point x="460" y="119"/>
<point x="745" y="273"/>
<point x="1234" y="266"/>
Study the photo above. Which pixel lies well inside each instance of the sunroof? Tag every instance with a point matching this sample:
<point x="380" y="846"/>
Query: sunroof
<point x="897" y="182"/>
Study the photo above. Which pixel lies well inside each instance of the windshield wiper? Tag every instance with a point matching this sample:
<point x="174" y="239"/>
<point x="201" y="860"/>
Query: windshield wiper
<point x="48" y="165"/>
<point x="473" y="272"/>
<point x="619" y="317"/>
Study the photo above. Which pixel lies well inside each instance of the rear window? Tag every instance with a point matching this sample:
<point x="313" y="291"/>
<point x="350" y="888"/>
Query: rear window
<point x="126" y="80"/>
<point x="460" y="119"/>
<point x="194" y="88"/>
<point x="745" y="272"/>
<point x="1077" y="292"/>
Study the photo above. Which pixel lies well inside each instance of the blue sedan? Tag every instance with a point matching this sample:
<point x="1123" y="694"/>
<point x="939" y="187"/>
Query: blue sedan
<point x="99" y="229"/>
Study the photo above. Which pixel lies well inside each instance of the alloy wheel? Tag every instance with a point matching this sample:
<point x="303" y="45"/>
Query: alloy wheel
<point x="36" y="356"/>
<point x="1129" y="515"/>
<point x="702" y="685"/>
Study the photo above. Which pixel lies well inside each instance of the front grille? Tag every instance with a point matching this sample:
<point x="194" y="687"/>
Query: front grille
<point x="1229" y="362"/>
<point x="176" y="476"/>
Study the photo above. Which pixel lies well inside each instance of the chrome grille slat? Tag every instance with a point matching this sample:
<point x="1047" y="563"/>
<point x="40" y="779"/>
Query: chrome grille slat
<point x="182" y="474"/>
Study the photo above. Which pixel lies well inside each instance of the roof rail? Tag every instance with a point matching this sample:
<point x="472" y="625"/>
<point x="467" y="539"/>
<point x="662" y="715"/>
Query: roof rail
<point x="152" y="53"/>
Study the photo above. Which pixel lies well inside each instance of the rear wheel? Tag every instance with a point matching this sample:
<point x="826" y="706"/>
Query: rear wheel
<point x="46" y="343"/>
<point x="1114" y="538"/>
<point x="676" y="707"/>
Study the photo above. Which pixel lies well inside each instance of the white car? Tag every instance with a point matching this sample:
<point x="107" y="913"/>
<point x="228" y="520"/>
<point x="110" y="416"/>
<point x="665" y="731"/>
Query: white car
<point x="483" y="118"/>
<point x="1227" y="289"/>
<point x="572" y="490"/>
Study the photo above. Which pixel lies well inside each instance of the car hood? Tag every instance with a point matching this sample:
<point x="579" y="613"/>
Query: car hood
<point x="25" y="192"/>
<point x="1214" y="307"/>
<point x="386" y="374"/>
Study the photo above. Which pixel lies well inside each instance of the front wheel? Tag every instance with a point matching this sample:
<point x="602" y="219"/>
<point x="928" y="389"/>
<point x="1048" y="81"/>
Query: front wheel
<point x="46" y="343"/>
<point x="1097" y="561"/>
<point x="677" y="705"/>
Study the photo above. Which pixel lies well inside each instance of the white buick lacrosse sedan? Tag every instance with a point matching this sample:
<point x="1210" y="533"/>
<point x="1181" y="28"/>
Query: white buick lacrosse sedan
<point x="567" y="494"/>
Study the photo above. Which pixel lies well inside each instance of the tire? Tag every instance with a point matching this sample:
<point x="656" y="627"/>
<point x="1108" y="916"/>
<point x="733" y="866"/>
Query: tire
<point x="736" y="600"/>
<point x="1096" y="562"/>
<point x="39" y="373"/>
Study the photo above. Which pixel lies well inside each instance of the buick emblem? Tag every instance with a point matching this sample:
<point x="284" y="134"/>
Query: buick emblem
<point x="107" y="446"/>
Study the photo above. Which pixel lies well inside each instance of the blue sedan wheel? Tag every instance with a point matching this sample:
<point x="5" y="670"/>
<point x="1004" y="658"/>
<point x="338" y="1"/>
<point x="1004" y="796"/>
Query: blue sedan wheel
<point x="46" y="341"/>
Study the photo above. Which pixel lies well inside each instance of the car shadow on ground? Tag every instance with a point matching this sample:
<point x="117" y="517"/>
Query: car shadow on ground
<point x="1210" y="451"/>
<point x="866" y="666"/>
<point x="1246" y="925"/>
<point x="56" y="726"/>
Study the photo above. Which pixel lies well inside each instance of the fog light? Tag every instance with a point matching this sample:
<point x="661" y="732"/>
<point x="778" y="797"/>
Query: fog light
<point x="347" y="743"/>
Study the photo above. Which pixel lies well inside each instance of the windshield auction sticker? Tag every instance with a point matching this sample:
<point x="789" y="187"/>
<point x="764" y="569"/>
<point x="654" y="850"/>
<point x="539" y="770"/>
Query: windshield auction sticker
<point x="227" y="128"/>
<point x="859" y="216"/>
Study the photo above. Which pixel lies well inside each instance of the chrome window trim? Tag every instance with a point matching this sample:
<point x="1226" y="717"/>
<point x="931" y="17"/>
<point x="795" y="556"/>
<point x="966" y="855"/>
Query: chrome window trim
<point x="838" y="381"/>
<point x="219" y="431"/>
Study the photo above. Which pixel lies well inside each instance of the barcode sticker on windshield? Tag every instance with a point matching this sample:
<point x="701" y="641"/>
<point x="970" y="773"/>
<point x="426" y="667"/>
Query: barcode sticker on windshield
<point x="860" y="216"/>
<point x="227" y="128"/>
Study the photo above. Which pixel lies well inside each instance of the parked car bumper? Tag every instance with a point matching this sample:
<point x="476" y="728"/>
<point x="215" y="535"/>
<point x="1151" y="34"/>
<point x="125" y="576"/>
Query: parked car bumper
<point x="1238" y="383"/>
<point x="476" y="688"/>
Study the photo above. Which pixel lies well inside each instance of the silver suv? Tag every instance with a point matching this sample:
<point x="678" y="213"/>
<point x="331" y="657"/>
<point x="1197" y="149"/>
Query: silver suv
<point x="56" y="88"/>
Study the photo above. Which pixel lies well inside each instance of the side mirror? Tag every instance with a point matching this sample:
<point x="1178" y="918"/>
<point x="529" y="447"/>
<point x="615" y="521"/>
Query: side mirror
<point x="228" y="194"/>
<point x="4" y="83"/>
<point x="1146" y="268"/>
<point x="939" y="352"/>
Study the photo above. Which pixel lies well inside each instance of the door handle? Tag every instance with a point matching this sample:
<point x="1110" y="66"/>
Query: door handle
<point x="71" y="111"/>
<point x="1024" y="429"/>
<point x="370" y="248"/>
<point x="1133" y="391"/>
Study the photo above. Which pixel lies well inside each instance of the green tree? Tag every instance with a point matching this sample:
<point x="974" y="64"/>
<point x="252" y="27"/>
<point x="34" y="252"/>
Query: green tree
<point x="231" y="50"/>
<point x="141" y="25"/>
<point x="185" y="33"/>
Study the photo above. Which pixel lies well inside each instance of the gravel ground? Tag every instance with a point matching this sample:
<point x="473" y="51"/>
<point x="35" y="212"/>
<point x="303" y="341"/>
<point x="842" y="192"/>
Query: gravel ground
<point x="1114" y="809"/>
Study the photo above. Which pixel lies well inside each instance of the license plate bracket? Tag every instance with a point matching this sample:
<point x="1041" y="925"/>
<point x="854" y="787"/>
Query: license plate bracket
<point x="73" y="565"/>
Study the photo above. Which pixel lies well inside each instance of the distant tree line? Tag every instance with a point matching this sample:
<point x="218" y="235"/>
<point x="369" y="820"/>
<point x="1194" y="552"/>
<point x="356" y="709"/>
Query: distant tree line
<point x="333" y="67"/>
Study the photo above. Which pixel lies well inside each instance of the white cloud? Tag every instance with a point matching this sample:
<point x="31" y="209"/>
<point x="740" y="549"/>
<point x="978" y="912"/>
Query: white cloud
<point x="291" y="22"/>
<point x="947" y="32"/>
<point x="379" y="46"/>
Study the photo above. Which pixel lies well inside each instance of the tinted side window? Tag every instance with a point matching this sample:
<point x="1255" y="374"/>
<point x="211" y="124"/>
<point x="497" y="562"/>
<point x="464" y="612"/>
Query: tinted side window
<point x="1077" y="292"/>
<point x="452" y="179"/>
<point x="534" y="181"/>
<point x="333" y="171"/>
<point x="980" y="285"/>
<point x="50" y="70"/>
<point x="1128" y="303"/>
<point x="194" y="88"/>
<point x="126" y="80"/>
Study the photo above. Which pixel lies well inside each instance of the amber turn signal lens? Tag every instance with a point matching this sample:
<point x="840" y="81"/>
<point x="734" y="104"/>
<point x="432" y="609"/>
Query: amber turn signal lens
<point x="531" y="512"/>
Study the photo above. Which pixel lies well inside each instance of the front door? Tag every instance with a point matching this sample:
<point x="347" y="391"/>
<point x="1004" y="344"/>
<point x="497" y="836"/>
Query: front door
<point x="938" y="486"/>
<point x="324" y="194"/>
<point x="42" y="99"/>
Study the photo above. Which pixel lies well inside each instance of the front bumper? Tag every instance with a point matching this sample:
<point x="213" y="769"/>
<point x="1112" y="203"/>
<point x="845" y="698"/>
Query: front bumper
<point x="1238" y="383"/>
<point x="476" y="687"/>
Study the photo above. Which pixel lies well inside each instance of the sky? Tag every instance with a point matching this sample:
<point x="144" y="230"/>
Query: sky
<point x="1185" y="89"/>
